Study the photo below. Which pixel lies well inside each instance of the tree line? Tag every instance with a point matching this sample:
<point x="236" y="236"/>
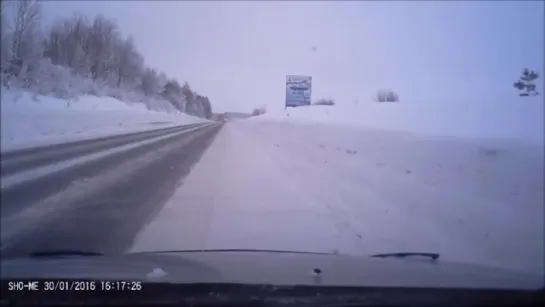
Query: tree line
<point x="91" y="51"/>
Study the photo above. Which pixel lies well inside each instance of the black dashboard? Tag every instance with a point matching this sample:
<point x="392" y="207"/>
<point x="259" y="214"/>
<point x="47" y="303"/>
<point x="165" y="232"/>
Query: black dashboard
<point x="82" y="292"/>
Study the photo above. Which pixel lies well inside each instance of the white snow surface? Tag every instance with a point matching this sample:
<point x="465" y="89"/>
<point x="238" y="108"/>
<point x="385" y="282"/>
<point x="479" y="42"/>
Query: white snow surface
<point x="33" y="120"/>
<point x="327" y="188"/>
<point x="514" y="118"/>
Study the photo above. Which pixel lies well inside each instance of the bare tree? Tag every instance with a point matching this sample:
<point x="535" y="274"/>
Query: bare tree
<point x="5" y="37"/>
<point x="100" y="47"/>
<point x="25" y="37"/>
<point x="67" y="44"/>
<point x="128" y="62"/>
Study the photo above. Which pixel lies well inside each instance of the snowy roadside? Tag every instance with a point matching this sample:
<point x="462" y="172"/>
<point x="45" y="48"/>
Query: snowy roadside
<point x="476" y="201"/>
<point x="464" y="180"/>
<point x="28" y="122"/>
<point x="318" y="188"/>
<point x="511" y="119"/>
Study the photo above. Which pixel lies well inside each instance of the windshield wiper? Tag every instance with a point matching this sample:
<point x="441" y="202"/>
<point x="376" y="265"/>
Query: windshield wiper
<point x="63" y="253"/>
<point x="232" y="250"/>
<point x="433" y="256"/>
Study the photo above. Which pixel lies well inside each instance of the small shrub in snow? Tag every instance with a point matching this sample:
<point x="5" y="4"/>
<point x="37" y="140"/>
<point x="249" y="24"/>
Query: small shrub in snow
<point x="259" y="111"/>
<point x="324" y="102"/>
<point x="489" y="152"/>
<point x="387" y="96"/>
<point x="52" y="79"/>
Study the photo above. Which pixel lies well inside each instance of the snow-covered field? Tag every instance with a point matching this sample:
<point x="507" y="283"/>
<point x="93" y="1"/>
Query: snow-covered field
<point x="31" y="121"/>
<point x="270" y="184"/>
<point x="514" y="118"/>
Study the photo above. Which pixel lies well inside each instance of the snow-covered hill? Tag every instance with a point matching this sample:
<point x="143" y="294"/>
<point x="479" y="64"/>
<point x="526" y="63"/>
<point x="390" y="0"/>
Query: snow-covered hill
<point x="31" y="120"/>
<point x="79" y="77"/>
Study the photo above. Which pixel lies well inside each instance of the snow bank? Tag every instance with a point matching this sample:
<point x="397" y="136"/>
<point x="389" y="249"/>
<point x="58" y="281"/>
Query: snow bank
<point x="520" y="119"/>
<point x="30" y="120"/>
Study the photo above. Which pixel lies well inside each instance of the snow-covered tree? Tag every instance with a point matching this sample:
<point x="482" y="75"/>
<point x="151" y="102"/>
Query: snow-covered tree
<point x="78" y="56"/>
<point x="199" y="106"/>
<point x="129" y="64"/>
<point x="150" y="84"/>
<point x="162" y="79"/>
<point x="189" y="97"/>
<point x="207" y="107"/>
<point x="173" y="93"/>
<point x="68" y="44"/>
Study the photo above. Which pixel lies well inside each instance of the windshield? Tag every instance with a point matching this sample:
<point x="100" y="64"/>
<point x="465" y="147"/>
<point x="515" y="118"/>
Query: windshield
<point x="339" y="127"/>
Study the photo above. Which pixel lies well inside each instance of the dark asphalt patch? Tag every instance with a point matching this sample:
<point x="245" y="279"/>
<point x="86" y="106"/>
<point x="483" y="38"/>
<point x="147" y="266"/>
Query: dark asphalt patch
<point x="18" y="197"/>
<point x="109" y="220"/>
<point x="27" y="159"/>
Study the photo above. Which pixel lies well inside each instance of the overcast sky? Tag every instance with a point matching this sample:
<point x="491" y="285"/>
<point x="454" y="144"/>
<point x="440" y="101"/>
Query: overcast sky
<point x="238" y="53"/>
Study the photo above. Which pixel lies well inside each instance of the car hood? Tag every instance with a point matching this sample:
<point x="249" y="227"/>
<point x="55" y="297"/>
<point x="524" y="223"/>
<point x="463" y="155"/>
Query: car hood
<point x="274" y="268"/>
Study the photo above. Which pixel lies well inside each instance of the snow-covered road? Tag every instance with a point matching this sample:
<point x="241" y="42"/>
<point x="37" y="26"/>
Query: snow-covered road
<point x="60" y="198"/>
<point x="312" y="187"/>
